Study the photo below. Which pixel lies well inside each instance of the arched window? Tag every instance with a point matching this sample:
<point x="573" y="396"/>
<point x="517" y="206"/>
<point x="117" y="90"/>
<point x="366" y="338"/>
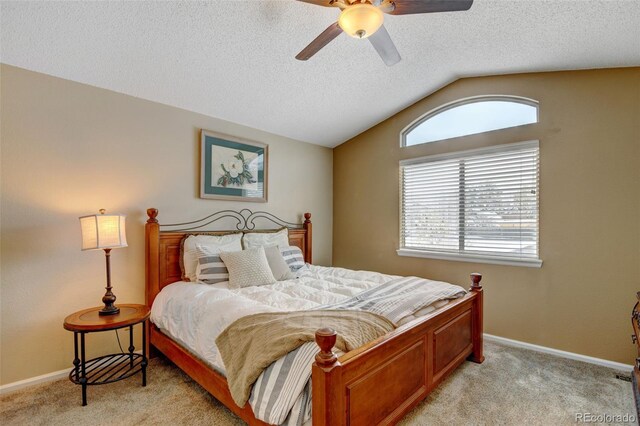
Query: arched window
<point x="470" y="116"/>
<point x="479" y="205"/>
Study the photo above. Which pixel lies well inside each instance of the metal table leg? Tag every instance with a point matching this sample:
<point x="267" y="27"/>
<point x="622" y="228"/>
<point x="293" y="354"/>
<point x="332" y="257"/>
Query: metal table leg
<point x="76" y="360"/>
<point x="144" y="353"/>
<point x="131" y="347"/>
<point x="83" y="378"/>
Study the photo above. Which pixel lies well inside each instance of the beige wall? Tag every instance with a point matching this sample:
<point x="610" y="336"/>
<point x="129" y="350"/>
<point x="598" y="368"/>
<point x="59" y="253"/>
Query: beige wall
<point x="69" y="149"/>
<point x="581" y="298"/>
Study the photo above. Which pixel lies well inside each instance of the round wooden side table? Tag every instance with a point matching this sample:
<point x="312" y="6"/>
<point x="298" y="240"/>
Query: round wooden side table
<point x="113" y="367"/>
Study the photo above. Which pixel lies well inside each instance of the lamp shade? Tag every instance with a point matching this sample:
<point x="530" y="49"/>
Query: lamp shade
<point x="103" y="231"/>
<point x="360" y="20"/>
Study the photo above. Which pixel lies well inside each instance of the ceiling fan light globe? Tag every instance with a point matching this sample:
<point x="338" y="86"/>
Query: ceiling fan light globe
<point x="360" y="20"/>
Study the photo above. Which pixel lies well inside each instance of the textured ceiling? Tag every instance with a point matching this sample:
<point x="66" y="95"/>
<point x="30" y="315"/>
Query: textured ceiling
<point x="235" y="59"/>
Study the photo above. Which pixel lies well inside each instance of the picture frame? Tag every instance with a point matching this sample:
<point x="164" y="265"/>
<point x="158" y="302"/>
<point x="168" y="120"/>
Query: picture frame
<point x="233" y="169"/>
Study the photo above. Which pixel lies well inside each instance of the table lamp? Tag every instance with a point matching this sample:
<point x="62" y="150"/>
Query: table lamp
<point x="104" y="231"/>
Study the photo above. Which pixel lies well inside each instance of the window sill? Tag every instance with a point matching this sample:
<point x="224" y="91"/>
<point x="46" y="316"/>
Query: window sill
<point x="530" y="263"/>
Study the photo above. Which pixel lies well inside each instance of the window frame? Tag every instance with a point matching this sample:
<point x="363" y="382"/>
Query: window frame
<point x="461" y="102"/>
<point x="468" y="257"/>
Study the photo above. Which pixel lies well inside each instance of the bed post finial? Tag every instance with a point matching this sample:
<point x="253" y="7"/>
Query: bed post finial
<point x="475" y="281"/>
<point x="308" y="242"/>
<point x="152" y="213"/>
<point x="326" y="339"/>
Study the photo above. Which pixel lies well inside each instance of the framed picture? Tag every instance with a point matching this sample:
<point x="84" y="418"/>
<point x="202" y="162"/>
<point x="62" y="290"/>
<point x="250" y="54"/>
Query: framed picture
<point x="232" y="168"/>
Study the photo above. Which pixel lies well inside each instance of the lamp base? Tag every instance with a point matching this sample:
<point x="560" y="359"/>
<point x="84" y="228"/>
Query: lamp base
<point x="109" y="310"/>
<point x="109" y="299"/>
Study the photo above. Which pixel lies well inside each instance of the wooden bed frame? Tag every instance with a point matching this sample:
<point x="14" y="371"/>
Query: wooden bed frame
<point x="375" y="384"/>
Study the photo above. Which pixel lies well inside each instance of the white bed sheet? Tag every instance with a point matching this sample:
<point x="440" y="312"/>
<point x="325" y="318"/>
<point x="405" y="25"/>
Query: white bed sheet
<point x="195" y="314"/>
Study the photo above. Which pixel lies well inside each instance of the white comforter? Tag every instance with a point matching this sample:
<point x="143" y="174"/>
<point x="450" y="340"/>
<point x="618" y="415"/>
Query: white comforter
<point x="195" y="314"/>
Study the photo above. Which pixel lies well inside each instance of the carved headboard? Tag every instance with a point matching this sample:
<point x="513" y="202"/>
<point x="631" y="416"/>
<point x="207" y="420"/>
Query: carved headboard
<point x="162" y="242"/>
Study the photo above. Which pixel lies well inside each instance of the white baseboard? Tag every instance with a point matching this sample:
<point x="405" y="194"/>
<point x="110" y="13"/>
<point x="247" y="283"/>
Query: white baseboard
<point x="559" y="353"/>
<point x="49" y="377"/>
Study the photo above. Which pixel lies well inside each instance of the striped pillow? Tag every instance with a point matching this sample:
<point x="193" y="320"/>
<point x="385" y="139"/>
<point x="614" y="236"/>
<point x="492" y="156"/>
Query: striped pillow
<point x="211" y="269"/>
<point x="293" y="256"/>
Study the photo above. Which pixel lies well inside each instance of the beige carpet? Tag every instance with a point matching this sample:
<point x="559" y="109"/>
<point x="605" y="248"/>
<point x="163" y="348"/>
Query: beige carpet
<point x="512" y="386"/>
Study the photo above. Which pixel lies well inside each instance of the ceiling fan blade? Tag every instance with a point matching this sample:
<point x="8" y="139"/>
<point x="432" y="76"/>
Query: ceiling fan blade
<point x="326" y="3"/>
<point x="381" y="41"/>
<point x="321" y="41"/>
<point x="408" y="7"/>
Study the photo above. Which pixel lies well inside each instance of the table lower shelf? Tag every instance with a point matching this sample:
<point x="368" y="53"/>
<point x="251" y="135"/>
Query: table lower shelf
<point x="109" y="368"/>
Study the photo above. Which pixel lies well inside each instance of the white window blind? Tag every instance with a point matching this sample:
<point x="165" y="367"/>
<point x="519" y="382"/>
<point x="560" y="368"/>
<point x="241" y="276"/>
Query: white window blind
<point x="473" y="205"/>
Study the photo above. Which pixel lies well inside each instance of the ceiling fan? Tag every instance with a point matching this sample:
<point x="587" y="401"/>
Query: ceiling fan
<point x="364" y="19"/>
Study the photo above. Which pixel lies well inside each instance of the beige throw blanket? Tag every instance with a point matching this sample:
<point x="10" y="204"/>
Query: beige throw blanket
<point x="254" y="342"/>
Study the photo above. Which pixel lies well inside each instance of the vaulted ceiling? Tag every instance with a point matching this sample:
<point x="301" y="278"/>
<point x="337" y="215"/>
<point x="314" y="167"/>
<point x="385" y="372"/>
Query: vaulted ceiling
<point x="235" y="59"/>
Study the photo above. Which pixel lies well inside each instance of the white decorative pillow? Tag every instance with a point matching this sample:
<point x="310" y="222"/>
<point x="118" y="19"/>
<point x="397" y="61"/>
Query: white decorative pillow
<point x="211" y="269"/>
<point x="293" y="256"/>
<point x="214" y="243"/>
<point x="262" y="239"/>
<point x="247" y="268"/>
<point x="278" y="266"/>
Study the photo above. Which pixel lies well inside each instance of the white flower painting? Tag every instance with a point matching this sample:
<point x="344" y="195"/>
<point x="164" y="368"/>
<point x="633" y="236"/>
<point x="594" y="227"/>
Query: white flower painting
<point x="234" y="168"/>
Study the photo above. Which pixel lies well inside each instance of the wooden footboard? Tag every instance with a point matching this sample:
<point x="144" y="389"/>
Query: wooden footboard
<point x="382" y="381"/>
